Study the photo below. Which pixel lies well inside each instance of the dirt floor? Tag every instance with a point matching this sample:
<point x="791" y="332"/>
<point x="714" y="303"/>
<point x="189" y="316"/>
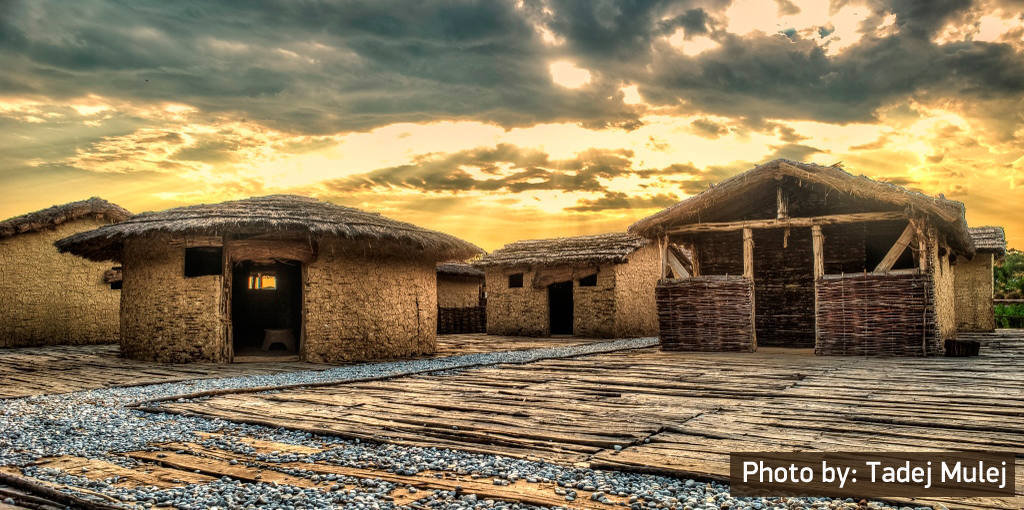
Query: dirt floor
<point x="675" y="413"/>
<point x="62" y="369"/>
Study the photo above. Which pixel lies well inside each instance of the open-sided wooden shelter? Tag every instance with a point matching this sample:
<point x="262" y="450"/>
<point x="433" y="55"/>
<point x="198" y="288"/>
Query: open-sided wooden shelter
<point x="279" y="273"/>
<point x="595" y="286"/>
<point x="801" y="255"/>
<point x="461" y="302"/>
<point x="52" y="298"/>
<point x="974" y="280"/>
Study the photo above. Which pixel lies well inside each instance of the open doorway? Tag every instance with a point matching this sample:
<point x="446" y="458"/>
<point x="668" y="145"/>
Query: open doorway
<point x="560" y="308"/>
<point x="266" y="308"/>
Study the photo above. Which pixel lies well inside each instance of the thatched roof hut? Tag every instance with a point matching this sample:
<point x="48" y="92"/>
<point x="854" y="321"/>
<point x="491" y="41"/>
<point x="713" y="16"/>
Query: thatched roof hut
<point x="594" y="285"/>
<point x="974" y="282"/>
<point x="243" y="278"/>
<point x="803" y="255"/>
<point x="270" y="214"/>
<point x="989" y="240"/>
<point x="49" y="297"/>
<point x="461" y="299"/>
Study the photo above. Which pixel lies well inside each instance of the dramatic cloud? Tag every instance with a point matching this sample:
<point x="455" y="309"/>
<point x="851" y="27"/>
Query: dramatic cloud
<point x="583" y="115"/>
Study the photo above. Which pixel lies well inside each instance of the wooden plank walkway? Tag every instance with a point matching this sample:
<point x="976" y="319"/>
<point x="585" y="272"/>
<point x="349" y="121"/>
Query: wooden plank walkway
<point x="67" y="368"/>
<point x="677" y="413"/>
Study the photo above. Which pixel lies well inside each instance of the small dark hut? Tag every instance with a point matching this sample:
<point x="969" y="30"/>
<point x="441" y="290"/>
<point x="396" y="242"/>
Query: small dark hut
<point x="279" y="274"/>
<point x="48" y="297"/>
<point x="801" y="255"/>
<point x="594" y="286"/>
<point x="974" y="287"/>
<point x="461" y="299"/>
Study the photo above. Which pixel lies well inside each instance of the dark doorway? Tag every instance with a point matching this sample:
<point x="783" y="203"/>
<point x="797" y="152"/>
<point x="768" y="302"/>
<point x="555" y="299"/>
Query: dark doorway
<point x="266" y="303"/>
<point x="560" y="308"/>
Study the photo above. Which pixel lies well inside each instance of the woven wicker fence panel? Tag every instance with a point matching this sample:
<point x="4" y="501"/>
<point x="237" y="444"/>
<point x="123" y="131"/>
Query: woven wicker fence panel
<point x="885" y="315"/>
<point x="461" y="320"/>
<point x="706" y="313"/>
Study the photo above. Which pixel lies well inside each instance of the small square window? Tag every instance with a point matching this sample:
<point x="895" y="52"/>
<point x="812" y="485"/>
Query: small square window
<point x="203" y="261"/>
<point x="589" y="281"/>
<point x="515" y="281"/>
<point x="116" y="285"/>
<point x="262" y="281"/>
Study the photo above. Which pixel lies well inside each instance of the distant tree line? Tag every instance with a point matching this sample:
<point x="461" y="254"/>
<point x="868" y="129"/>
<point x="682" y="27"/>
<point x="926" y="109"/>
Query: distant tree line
<point x="1009" y="284"/>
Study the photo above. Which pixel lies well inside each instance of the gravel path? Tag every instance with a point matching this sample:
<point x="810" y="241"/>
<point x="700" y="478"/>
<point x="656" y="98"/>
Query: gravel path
<point x="98" y="424"/>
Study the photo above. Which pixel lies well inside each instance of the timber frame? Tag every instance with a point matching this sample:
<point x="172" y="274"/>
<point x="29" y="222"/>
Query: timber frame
<point x="839" y="263"/>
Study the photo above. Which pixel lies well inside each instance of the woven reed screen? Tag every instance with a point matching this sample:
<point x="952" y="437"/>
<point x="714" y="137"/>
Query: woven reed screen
<point x="887" y="315"/>
<point x="461" y="320"/>
<point x="706" y="313"/>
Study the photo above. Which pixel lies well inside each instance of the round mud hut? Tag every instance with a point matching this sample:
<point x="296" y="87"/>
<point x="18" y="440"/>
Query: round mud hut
<point x="52" y="298"/>
<point x="276" y="276"/>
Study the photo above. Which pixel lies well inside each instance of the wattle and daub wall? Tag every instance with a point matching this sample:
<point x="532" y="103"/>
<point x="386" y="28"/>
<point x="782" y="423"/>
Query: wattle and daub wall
<point x="620" y="305"/>
<point x="973" y="292"/>
<point x="858" y="313"/>
<point x="355" y="307"/>
<point x="52" y="298"/>
<point x="461" y="307"/>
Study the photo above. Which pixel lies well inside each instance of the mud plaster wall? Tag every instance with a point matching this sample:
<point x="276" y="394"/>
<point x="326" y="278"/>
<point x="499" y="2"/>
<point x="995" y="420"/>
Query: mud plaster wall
<point x="457" y="292"/>
<point x="54" y="298"/>
<point x="973" y="291"/>
<point x="636" y="311"/>
<point x="515" y="312"/>
<point x="362" y="307"/>
<point x="593" y="308"/>
<point x="166" y="317"/>
<point x="942" y="284"/>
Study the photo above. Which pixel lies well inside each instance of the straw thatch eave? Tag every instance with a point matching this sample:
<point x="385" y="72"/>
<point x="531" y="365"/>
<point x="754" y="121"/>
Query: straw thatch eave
<point x="459" y="270"/>
<point x="273" y="214"/>
<point x="611" y="248"/>
<point x="50" y="217"/>
<point x="989" y="240"/>
<point x="948" y="215"/>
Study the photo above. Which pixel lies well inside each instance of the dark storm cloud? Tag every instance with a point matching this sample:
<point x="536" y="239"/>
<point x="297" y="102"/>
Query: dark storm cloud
<point x="329" y="66"/>
<point x="794" y="151"/>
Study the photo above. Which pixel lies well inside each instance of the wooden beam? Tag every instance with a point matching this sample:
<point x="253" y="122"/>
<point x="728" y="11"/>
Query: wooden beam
<point x="809" y="221"/>
<point x="675" y="265"/>
<point x="896" y="251"/>
<point x="781" y="204"/>
<point x="748" y="253"/>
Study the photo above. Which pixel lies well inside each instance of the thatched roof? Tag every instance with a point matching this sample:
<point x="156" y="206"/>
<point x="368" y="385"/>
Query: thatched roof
<point x="948" y="214"/>
<point x="612" y="248"/>
<point x="265" y="215"/>
<point x="459" y="269"/>
<point x="50" y="217"/>
<point x="989" y="239"/>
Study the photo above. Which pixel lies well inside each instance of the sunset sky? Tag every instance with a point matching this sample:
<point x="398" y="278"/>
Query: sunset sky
<point x="500" y="120"/>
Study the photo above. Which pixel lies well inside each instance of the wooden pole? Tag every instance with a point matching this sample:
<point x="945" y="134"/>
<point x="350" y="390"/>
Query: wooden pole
<point x="663" y="244"/>
<point x="748" y="253"/>
<point x="781" y="203"/>
<point x="818" y="255"/>
<point x="695" y="259"/>
<point x="896" y="251"/>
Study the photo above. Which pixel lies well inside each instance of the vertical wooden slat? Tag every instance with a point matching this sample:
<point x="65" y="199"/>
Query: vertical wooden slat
<point x="782" y="204"/>
<point x="748" y="253"/>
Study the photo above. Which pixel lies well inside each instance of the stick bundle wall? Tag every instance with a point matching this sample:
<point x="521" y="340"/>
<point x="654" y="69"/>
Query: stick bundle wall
<point x="451" y="321"/>
<point x="869" y="314"/>
<point x="705" y="313"/>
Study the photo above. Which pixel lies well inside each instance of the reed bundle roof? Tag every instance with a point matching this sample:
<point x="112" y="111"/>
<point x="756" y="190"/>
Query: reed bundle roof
<point x="52" y="216"/>
<point x="947" y="214"/>
<point x="270" y="214"/>
<point x="611" y="248"/>
<point x="459" y="269"/>
<point x="989" y="239"/>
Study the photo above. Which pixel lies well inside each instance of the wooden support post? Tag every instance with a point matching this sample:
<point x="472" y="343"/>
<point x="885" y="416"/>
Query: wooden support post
<point x="695" y="259"/>
<point x="896" y="251"/>
<point x="782" y="204"/>
<point x="818" y="249"/>
<point x="748" y="253"/>
<point x="663" y="244"/>
<point x="922" y="245"/>
<point x="818" y="256"/>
